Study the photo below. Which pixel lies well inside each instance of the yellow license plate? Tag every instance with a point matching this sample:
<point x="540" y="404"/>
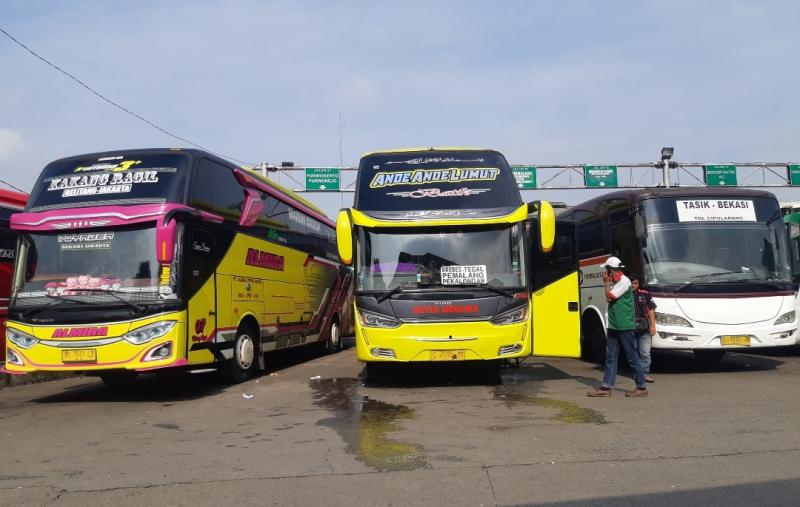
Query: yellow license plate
<point x="448" y="355"/>
<point x="740" y="340"/>
<point x="79" y="356"/>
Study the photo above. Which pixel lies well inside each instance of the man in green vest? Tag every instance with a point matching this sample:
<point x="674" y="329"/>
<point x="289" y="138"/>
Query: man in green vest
<point x="621" y="320"/>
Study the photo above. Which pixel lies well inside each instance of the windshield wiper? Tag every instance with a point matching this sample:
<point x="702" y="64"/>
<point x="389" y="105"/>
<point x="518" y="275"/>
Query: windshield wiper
<point x="719" y="273"/>
<point x="391" y="292"/>
<point x="56" y="302"/>
<point x="131" y="304"/>
<point x="496" y="290"/>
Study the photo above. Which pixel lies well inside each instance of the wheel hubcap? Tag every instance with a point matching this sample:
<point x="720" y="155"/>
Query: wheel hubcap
<point x="335" y="334"/>
<point x="245" y="351"/>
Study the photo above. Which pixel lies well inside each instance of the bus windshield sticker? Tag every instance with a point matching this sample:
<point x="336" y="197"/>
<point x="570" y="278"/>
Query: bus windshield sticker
<point x="7" y="253"/>
<point x="716" y="210"/>
<point x="86" y="241"/>
<point x="437" y="192"/>
<point x="109" y="181"/>
<point x="464" y="275"/>
<point x="74" y="284"/>
<point x="426" y="176"/>
<point x="432" y="160"/>
<point x="110" y="167"/>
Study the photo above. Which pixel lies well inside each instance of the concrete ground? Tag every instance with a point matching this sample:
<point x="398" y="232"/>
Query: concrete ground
<point x="314" y="430"/>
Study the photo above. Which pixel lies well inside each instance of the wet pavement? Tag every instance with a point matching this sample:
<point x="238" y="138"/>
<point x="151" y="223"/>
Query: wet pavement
<point x="315" y="429"/>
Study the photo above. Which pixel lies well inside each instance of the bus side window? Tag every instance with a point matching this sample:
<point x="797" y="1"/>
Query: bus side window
<point x="589" y="234"/>
<point x="216" y="189"/>
<point x="624" y="246"/>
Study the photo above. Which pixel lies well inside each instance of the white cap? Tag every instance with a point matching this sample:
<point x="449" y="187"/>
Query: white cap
<point x="613" y="262"/>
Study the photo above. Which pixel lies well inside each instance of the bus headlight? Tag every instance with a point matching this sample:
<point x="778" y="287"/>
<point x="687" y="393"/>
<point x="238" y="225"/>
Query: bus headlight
<point x="369" y="319"/>
<point x="786" y="318"/>
<point x="666" y="319"/>
<point x="20" y="339"/>
<point x="511" y="317"/>
<point x="149" y="332"/>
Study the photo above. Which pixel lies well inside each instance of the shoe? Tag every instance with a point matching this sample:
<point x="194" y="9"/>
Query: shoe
<point x="637" y="393"/>
<point x="600" y="393"/>
<point x="648" y="379"/>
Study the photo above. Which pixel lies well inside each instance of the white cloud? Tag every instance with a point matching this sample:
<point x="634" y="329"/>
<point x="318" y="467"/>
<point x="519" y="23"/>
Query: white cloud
<point x="12" y="144"/>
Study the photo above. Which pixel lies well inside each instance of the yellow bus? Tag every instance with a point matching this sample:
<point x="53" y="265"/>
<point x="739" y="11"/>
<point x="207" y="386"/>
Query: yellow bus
<point x="448" y="262"/>
<point x="144" y="260"/>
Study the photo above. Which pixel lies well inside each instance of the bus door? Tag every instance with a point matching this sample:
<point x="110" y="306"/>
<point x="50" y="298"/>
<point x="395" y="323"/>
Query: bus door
<point x="200" y="262"/>
<point x="555" y="293"/>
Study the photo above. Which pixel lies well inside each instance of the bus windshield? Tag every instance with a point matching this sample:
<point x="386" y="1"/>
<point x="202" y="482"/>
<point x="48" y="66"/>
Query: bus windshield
<point x="93" y="181"/>
<point x="714" y="253"/>
<point x="442" y="257"/>
<point x="102" y="266"/>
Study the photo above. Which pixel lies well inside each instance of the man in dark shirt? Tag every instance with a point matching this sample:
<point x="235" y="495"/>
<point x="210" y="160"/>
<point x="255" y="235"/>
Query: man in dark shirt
<point x="645" y="324"/>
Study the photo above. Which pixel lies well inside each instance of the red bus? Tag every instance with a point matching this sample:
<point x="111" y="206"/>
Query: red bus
<point x="10" y="202"/>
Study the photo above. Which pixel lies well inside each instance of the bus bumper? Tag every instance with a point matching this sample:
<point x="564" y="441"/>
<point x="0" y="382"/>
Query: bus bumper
<point x="98" y="347"/>
<point x="736" y="337"/>
<point x="442" y="341"/>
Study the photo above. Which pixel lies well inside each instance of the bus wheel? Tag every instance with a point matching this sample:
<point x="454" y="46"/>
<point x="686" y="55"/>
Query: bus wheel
<point x="244" y="363"/>
<point x="119" y="379"/>
<point x="593" y="347"/>
<point x="709" y="357"/>
<point x="334" y="343"/>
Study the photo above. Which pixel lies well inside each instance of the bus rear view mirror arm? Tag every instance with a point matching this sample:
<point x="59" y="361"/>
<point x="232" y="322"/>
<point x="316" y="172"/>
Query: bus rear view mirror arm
<point x="189" y="213"/>
<point x="165" y="232"/>
<point x="252" y="209"/>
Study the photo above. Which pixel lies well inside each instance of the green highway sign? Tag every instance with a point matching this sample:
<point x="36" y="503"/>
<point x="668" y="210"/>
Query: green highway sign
<point x="322" y="178"/>
<point x="600" y="176"/>
<point x="525" y="176"/>
<point x="794" y="174"/>
<point x="720" y="175"/>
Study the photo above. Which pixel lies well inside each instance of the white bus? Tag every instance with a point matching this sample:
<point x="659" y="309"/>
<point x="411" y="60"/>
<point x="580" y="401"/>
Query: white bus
<point x="717" y="263"/>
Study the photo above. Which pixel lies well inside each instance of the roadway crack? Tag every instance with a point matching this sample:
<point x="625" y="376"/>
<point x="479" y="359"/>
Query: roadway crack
<point x="491" y="484"/>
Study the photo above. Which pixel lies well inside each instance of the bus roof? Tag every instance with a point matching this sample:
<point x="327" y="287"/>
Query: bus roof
<point x="635" y="195"/>
<point x="422" y="149"/>
<point x="196" y="152"/>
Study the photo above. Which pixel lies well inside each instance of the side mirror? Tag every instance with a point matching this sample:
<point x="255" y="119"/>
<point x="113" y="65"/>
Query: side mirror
<point x="639" y="225"/>
<point x="344" y="237"/>
<point x="547" y="226"/>
<point x="252" y="209"/>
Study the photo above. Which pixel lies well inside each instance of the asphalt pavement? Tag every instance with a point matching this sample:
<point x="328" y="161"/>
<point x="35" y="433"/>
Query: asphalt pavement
<point x="315" y="430"/>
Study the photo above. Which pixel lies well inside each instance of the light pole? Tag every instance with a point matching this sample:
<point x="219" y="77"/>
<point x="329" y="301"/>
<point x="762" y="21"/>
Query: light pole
<point x="666" y="155"/>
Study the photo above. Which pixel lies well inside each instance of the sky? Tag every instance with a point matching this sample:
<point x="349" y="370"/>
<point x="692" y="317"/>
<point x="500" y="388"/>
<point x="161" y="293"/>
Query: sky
<point x="541" y="81"/>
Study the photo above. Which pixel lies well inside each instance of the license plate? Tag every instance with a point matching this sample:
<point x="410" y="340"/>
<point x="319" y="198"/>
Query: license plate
<point x="740" y="340"/>
<point x="79" y="356"/>
<point x="448" y="355"/>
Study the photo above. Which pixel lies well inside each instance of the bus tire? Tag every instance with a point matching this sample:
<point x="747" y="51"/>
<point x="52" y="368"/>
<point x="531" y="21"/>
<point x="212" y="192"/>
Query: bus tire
<point x="334" y="343"/>
<point x="593" y="345"/>
<point x="708" y="357"/>
<point x="119" y="379"/>
<point x="244" y="363"/>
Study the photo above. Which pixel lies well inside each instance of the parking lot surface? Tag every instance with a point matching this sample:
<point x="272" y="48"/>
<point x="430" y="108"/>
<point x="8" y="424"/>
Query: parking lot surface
<point x="315" y="430"/>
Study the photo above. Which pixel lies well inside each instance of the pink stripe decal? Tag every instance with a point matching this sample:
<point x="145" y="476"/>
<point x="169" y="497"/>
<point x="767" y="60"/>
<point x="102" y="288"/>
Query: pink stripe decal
<point x="9" y="372"/>
<point x="179" y="362"/>
<point x="98" y="216"/>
